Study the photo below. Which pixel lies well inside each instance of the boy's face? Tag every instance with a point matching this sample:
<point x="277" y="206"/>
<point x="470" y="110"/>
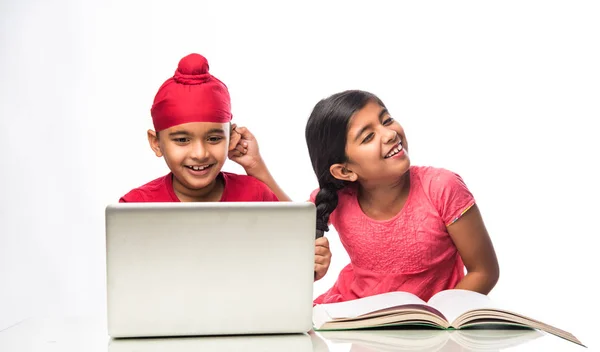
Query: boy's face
<point x="195" y="152"/>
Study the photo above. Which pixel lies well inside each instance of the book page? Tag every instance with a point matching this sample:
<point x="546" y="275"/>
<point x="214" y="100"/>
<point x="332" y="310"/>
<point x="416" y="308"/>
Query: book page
<point x="453" y="303"/>
<point x="361" y="306"/>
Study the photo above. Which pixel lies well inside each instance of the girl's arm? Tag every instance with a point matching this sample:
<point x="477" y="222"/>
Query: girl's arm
<point x="475" y="247"/>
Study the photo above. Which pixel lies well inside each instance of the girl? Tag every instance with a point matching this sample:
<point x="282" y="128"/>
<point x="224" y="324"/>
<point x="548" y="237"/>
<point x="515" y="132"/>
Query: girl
<point x="406" y="228"/>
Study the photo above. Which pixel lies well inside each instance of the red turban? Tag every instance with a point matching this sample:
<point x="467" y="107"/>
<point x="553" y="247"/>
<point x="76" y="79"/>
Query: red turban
<point x="191" y="95"/>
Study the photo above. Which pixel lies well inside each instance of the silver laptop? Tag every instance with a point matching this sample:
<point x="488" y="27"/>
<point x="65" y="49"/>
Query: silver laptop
<point x="188" y="269"/>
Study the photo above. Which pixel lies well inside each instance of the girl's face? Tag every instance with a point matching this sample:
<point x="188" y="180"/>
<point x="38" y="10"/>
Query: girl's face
<point x="376" y="146"/>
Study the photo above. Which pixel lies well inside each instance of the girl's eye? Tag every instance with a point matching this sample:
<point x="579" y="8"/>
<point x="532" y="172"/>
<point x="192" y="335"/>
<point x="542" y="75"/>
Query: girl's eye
<point x="388" y="121"/>
<point x="368" y="137"/>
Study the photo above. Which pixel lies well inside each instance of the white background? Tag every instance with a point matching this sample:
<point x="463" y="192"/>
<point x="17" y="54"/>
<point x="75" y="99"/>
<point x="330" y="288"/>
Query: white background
<point x="507" y="94"/>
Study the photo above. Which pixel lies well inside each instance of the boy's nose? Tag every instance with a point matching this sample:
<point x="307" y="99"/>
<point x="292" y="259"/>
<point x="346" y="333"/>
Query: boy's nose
<point x="199" y="151"/>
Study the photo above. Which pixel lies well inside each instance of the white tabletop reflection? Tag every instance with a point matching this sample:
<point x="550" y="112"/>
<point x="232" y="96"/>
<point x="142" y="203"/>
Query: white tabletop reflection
<point x="88" y="334"/>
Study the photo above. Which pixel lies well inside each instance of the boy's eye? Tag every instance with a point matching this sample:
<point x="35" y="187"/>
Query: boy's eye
<point x="388" y="121"/>
<point x="215" y="139"/>
<point x="368" y="137"/>
<point x="180" y="140"/>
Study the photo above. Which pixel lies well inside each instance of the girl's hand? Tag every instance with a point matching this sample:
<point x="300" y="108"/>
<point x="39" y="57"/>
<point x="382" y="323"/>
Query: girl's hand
<point x="322" y="257"/>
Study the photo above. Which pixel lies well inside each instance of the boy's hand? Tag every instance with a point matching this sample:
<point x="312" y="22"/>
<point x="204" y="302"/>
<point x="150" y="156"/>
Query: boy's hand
<point x="322" y="257"/>
<point x="234" y="137"/>
<point x="243" y="149"/>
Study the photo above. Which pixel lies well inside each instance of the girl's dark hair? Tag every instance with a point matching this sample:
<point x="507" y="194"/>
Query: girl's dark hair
<point x="325" y="133"/>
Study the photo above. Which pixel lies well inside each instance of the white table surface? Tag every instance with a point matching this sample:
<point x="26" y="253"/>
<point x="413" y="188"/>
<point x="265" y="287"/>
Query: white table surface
<point x="66" y="334"/>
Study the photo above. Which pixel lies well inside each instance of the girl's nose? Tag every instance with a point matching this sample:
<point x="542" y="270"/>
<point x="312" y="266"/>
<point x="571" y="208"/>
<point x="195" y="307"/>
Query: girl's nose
<point x="391" y="136"/>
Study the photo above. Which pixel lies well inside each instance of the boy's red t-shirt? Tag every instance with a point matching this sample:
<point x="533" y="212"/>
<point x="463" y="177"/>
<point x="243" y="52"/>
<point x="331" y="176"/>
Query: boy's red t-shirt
<point x="238" y="188"/>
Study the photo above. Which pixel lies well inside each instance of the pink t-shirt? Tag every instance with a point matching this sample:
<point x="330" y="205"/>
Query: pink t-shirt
<point x="410" y="252"/>
<point x="238" y="188"/>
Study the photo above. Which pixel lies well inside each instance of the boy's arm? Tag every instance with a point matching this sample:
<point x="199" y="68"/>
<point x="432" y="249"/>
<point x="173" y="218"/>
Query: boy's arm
<point x="245" y="152"/>
<point x="261" y="172"/>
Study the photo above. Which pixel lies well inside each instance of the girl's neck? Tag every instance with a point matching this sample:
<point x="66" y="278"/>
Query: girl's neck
<point x="382" y="201"/>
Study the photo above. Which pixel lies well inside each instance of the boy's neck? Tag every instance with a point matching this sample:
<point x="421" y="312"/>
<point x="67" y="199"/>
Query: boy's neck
<point x="211" y="193"/>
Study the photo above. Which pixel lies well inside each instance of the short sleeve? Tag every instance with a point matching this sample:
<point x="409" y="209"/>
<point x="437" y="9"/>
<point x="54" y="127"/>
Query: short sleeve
<point x="313" y="199"/>
<point x="451" y="196"/>
<point x="244" y="188"/>
<point x="132" y="197"/>
<point x="313" y="195"/>
<point x="269" y="196"/>
<point x="263" y="192"/>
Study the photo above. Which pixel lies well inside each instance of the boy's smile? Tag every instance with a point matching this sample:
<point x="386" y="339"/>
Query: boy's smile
<point x="199" y="170"/>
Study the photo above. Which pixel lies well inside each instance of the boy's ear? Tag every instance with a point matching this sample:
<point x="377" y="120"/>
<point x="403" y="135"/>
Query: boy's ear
<point x="153" y="140"/>
<point x="341" y="172"/>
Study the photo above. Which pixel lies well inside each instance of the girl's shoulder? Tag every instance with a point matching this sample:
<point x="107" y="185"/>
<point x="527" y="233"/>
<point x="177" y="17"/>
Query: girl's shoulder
<point x="430" y="172"/>
<point x="445" y="189"/>
<point x="434" y="178"/>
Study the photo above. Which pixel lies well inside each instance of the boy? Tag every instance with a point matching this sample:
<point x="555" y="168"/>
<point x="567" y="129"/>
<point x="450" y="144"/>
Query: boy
<point x="193" y="133"/>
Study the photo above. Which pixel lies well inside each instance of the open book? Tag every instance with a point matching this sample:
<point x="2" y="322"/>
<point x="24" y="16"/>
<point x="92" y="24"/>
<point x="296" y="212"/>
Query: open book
<point x="450" y="309"/>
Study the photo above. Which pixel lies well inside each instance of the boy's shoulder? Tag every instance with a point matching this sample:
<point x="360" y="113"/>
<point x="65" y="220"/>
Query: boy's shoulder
<point x="240" y="179"/>
<point x="244" y="188"/>
<point x="158" y="190"/>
